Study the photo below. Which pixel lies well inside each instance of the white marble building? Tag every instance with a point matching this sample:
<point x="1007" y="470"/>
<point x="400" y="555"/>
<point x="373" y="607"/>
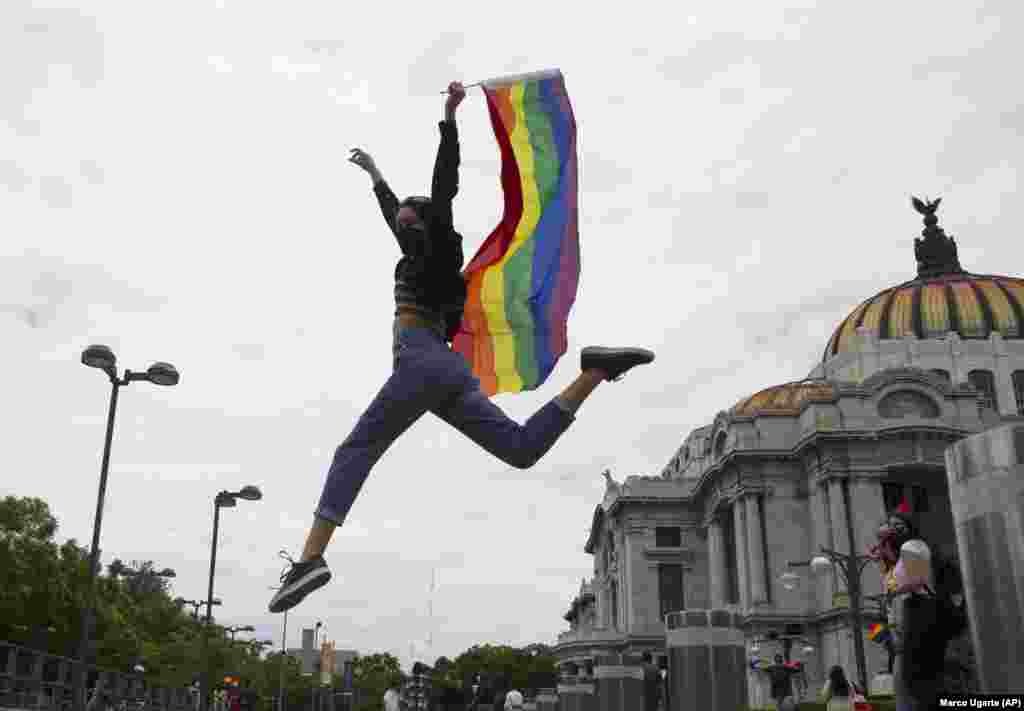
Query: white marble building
<point x="805" y="465"/>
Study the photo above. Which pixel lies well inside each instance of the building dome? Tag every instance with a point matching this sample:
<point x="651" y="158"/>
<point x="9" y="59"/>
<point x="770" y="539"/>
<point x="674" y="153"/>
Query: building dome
<point x="785" y="399"/>
<point x="942" y="299"/>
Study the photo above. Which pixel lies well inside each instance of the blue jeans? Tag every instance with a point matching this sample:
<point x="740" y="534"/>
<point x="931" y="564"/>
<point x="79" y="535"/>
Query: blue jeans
<point x="429" y="377"/>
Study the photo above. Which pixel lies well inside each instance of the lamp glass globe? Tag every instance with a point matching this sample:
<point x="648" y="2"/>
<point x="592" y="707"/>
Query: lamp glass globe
<point x="821" y="564"/>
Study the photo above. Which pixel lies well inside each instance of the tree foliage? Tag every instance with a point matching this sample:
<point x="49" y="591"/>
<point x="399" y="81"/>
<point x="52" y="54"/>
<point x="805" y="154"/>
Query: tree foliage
<point x="372" y="675"/>
<point x="44" y="586"/>
<point x="43" y="590"/>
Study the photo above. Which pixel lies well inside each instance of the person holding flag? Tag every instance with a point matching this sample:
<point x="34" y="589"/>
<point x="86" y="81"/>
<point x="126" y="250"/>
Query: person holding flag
<point x="506" y="313"/>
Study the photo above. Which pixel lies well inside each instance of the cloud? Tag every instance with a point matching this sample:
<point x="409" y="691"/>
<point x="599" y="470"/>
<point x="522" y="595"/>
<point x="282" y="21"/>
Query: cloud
<point x="733" y="96"/>
<point x="220" y="64"/>
<point x="280" y="64"/>
<point x="55" y="191"/>
<point x="32" y="40"/>
<point x="13" y="176"/>
<point x="706" y="57"/>
<point x="436" y="61"/>
<point x="356" y="95"/>
<point x="250" y="351"/>
<point x="92" y="171"/>
<point x="328" y="47"/>
<point x="40" y="289"/>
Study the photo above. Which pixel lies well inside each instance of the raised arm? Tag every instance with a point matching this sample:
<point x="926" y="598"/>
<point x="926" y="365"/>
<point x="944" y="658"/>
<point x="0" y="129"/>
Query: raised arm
<point x="385" y="197"/>
<point x="445" y="184"/>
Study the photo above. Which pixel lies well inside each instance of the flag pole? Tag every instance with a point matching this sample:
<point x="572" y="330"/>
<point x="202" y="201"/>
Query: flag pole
<point x="464" y="86"/>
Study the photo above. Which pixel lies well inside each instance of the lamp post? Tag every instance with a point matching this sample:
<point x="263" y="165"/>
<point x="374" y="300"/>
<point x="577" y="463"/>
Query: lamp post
<point x="851" y="567"/>
<point x="196" y="604"/>
<point x="225" y="499"/>
<point x="102" y="358"/>
<point x="317" y="675"/>
<point x="234" y="630"/>
<point x="284" y="642"/>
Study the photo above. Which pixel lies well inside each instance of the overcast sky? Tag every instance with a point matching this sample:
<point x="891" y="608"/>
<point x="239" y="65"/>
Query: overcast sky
<point x="173" y="183"/>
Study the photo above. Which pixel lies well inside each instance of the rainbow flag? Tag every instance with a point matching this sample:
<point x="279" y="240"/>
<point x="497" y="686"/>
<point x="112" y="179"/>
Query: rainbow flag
<point x="879" y="633"/>
<point x="522" y="282"/>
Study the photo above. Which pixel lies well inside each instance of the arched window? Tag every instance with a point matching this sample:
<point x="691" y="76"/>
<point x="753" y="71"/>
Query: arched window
<point x="1018" y="390"/>
<point x="984" y="382"/>
<point x="944" y="374"/>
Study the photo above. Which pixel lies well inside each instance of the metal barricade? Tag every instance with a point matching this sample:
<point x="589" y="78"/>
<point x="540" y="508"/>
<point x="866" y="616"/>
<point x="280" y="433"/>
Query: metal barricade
<point x="37" y="681"/>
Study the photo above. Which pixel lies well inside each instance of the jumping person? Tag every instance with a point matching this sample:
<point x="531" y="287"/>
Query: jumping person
<point x="428" y="376"/>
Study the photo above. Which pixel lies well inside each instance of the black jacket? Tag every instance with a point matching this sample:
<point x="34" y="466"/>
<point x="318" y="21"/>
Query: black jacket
<point x="430" y="267"/>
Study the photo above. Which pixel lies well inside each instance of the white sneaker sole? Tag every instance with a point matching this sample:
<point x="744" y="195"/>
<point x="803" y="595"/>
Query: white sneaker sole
<point x="297" y="591"/>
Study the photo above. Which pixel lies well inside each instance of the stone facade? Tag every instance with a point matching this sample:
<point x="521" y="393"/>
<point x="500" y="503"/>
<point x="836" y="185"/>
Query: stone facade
<point x="802" y="466"/>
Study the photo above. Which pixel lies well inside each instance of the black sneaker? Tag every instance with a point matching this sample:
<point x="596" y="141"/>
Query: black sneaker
<point x="614" y="361"/>
<point x="299" y="580"/>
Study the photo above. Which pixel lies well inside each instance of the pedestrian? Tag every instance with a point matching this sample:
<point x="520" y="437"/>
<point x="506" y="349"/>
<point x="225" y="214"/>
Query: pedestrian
<point x="513" y="700"/>
<point x="838" y="693"/>
<point x="652" y="682"/>
<point x="781" y="678"/>
<point x="905" y="560"/>
<point x="430" y="294"/>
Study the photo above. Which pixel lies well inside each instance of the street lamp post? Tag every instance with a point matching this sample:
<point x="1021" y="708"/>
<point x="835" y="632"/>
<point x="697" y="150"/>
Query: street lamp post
<point x="196" y="604"/>
<point x="235" y="630"/>
<point x="102" y="358"/>
<point x="284" y="642"/>
<point x="225" y="499"/>
<point x="851" y="567"/>
<point x="317" y="676"/>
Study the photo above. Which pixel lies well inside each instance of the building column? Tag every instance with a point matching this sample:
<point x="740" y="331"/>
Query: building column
<point x="755" y="548"/>
<point x="867" y="500"/>
<point x="837" y="504"/>
<point x="717" y="570"/>
<point x="819" y="519"/>
<point x="840" y="530"/>
<point x="740" y="527"/>
<point x="1002" y="374"/>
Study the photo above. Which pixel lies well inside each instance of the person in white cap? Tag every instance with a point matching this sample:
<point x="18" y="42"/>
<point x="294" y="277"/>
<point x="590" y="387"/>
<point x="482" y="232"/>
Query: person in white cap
<point x="513" y="700"/>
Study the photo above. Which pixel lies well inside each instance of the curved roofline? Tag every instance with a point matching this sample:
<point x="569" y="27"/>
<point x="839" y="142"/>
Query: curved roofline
<point x="733" y="411"/>
<point x="860" y="311"/>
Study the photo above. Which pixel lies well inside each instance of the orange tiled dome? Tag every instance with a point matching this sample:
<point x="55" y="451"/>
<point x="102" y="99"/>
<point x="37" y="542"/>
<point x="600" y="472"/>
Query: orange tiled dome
<point x="942" y="299"/>
<point x="972" y="305"/>
<point x="783" y="399"/>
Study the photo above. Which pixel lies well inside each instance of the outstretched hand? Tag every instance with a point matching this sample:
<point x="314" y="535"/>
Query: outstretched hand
<point x="363" y="159"/>
<point x="456" y="93"/>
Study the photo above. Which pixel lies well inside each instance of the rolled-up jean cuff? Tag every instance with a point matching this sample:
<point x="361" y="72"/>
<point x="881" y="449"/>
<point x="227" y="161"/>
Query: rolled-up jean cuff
<point x="566" y="408"/>
<point x="328" y="515"/>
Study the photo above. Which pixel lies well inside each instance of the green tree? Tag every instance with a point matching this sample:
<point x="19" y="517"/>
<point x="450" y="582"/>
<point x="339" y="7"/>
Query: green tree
<point x="502" y="666"/>
<point x="372" y="675"/>
<point x="37" y="577"/>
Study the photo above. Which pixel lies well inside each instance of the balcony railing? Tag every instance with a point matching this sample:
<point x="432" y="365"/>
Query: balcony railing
<point x="598" y="635"/>
<point x="30" y="679"/>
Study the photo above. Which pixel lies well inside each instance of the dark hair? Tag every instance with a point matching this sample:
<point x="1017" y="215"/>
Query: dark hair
<point x="419" y="204"/>
<point x="778" y="658"/>
<point x="908" y="521"/>
<point x="836" y="677"/>
<point x="647" y="657"/>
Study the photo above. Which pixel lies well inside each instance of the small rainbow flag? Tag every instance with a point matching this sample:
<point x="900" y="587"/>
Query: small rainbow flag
<point x="522" y="282"/>
<point x="879" y="633"/>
